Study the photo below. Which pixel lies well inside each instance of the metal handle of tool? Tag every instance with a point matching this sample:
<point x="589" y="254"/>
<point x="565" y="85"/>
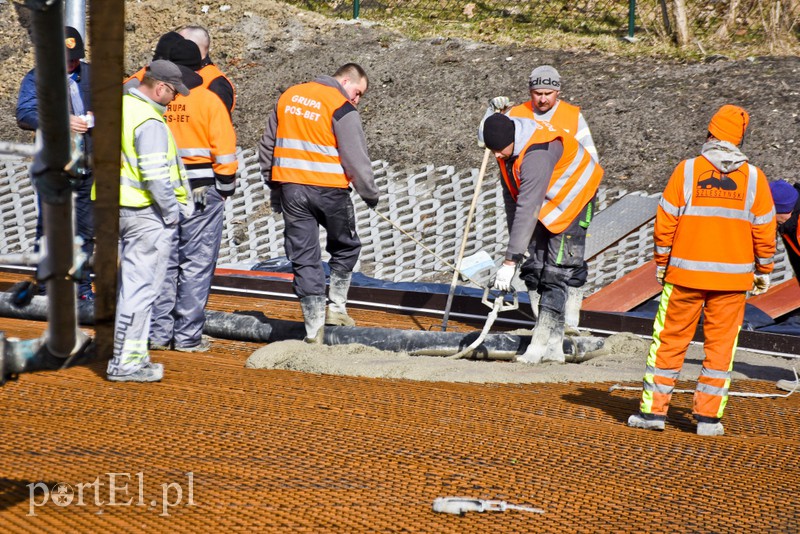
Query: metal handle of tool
<point x="497" y="306"/>
<point x="462" y="505"/>
<point x="446" y="263"/>
<point x="471" y="212"/>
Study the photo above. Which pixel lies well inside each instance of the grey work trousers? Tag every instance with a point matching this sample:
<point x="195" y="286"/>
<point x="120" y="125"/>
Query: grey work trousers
<point x="144" y="247"/>
<point x="555" y="260"/>
<point x="305" y="209"/>
<point x="179" y="310"/>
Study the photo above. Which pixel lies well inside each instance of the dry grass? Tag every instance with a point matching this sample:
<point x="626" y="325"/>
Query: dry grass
<point x="756" y="28"/>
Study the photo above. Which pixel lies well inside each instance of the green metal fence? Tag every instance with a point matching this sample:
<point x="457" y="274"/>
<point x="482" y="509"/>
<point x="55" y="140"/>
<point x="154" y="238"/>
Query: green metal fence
<point x="750" y="20"/>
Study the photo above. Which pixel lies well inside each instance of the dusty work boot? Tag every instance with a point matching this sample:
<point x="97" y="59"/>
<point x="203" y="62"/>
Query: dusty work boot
<point x="337" y="293"/>
<point x="155" y="345"/>
<point x="314" y="316"/>
<point x="534" y="296"/>
<point x="149" y="372"/>
<point x="639" y="420"/>
<point x="203" y="346"/>
<point x="788" y="385"/>
<point x="710" y="429"/>
<point x="547" y="339"/>
<point x="572" y="310"/>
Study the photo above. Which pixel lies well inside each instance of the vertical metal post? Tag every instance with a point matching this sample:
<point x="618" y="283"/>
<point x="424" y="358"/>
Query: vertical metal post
<point x="356" y="8"/>
<point x="75" y="16"/>
<point x="51" y="180"/>
<point x="631" y="18"/>
<point x="108" y="38"/>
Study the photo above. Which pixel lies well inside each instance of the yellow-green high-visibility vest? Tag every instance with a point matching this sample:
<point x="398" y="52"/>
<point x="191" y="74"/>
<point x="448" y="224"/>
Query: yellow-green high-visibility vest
<point x="132" y="192"/>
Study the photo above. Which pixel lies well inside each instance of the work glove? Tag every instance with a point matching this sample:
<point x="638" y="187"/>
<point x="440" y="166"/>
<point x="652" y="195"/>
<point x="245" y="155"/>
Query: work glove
<point x="503" y="277"/>
<point x="371" y="203"/>
<point x="760" y="283"/>
<point x="275" y="200"/>
<point x="660" y="273"/>
<point x="499" y="104"/>
<point x="199" y="195"/>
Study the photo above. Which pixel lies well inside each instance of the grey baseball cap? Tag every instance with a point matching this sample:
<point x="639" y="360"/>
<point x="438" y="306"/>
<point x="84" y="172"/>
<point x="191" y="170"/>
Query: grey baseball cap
<point x="544" y="77"/>
<point x="168" y="72"/>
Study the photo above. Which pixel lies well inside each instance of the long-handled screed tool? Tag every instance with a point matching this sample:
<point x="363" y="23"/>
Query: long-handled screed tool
<point x="475" y="195"/>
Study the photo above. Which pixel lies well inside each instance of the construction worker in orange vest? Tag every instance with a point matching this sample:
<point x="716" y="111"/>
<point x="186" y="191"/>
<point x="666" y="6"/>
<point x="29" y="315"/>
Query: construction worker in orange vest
<point x="544" y="85"/>
<point x="312" y="150"/>
<point x="714" y="241"/>
<point x="549" y="181"/>
<point x="206" y="140"/>
<point x="213" y="78"/>
<point x="787" y="207"/>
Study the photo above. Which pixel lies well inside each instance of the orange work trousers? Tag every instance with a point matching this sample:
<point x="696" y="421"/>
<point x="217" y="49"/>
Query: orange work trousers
<point x="676" y="321"/>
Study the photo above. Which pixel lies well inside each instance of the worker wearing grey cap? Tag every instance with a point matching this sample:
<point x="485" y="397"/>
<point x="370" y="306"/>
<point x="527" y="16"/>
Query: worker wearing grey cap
<point x="154" y="193"/>
<point x="544" y="85"/>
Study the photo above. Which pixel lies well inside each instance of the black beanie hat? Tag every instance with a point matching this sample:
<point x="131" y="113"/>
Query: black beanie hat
<point x="165" y="44"/>
<point x="498" y="131"/>
<point x="186" y="53"/>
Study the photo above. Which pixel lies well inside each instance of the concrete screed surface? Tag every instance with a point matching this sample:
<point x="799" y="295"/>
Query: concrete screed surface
<point x="624" y="361"/>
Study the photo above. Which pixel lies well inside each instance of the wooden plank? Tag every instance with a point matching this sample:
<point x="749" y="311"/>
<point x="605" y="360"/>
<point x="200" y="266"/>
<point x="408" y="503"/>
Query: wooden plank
<point x="626" y="293"/>
<point x="779" y="300"/>
<point x="107" y="35"/>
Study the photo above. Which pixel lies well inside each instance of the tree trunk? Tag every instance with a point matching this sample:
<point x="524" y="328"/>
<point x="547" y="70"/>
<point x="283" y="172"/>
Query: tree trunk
<point x="681" y="24"/>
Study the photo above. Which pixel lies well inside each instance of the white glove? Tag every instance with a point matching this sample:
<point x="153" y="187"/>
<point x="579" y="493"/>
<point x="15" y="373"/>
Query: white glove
<point x="503" y="277"/>
<point x="660" y="273"/>
<point x="499" y="103"/>
<point x="760" y="283"/>
<point x="199" y="196"/>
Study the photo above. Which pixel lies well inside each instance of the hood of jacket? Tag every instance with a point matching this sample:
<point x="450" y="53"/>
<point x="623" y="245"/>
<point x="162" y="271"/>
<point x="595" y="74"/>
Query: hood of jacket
<point x="723" y="155"/>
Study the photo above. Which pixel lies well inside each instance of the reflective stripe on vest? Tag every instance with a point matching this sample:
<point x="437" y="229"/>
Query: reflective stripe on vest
<point x="306" y="150"/>
<point x="690" y="209"/>
<point x="133" y="192"/>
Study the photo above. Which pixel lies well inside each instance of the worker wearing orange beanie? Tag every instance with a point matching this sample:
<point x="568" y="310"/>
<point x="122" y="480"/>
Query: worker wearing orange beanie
<point x="714" y="241"/>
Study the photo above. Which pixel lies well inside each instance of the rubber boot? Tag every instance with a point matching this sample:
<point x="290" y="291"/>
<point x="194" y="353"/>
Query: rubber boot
<point x="638" y="420"/>
<point x="547" y="340"/>
<point x="314" y="316"/>
<point x="337" y="293"/>
<point x="572" y="310"/>
<point x="534" y="296"/>
<point x="710" y="429"/>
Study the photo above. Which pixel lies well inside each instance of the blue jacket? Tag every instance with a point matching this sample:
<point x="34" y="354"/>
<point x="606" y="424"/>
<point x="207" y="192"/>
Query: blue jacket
<point x="27" y="107"/>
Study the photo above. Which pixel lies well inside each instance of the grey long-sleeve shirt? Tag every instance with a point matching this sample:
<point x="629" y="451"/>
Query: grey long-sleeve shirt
<point x="534" y="176"/>
<point x="352" y="145"/>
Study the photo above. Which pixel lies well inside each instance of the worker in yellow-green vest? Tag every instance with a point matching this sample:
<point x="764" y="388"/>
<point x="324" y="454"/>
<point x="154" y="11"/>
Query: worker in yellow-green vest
<point x="153" y="194"/>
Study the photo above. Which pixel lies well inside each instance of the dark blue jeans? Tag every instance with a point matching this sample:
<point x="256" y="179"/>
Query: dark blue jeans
<point x="84" y="227"/>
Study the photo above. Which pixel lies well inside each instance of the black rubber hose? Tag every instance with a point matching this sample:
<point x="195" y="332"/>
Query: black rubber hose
<point x="255" y="327"/>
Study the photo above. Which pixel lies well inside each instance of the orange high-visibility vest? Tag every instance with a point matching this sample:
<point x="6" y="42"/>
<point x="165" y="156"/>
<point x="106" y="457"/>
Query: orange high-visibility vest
<point x="205" y="137"/>
<point x="574" y="181"/>
<point x="211" y="72"/>
<point x="306" y="150"/>
<point x="565" y="117"/>
<point x="139" y="75"/>
<point x="714" y="229"/>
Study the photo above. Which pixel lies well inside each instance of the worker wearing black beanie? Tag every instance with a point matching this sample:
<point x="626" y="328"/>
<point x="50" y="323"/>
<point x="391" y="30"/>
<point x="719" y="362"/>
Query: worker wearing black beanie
<point x="549" y="182"/>
<point x="498" y="132"/>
